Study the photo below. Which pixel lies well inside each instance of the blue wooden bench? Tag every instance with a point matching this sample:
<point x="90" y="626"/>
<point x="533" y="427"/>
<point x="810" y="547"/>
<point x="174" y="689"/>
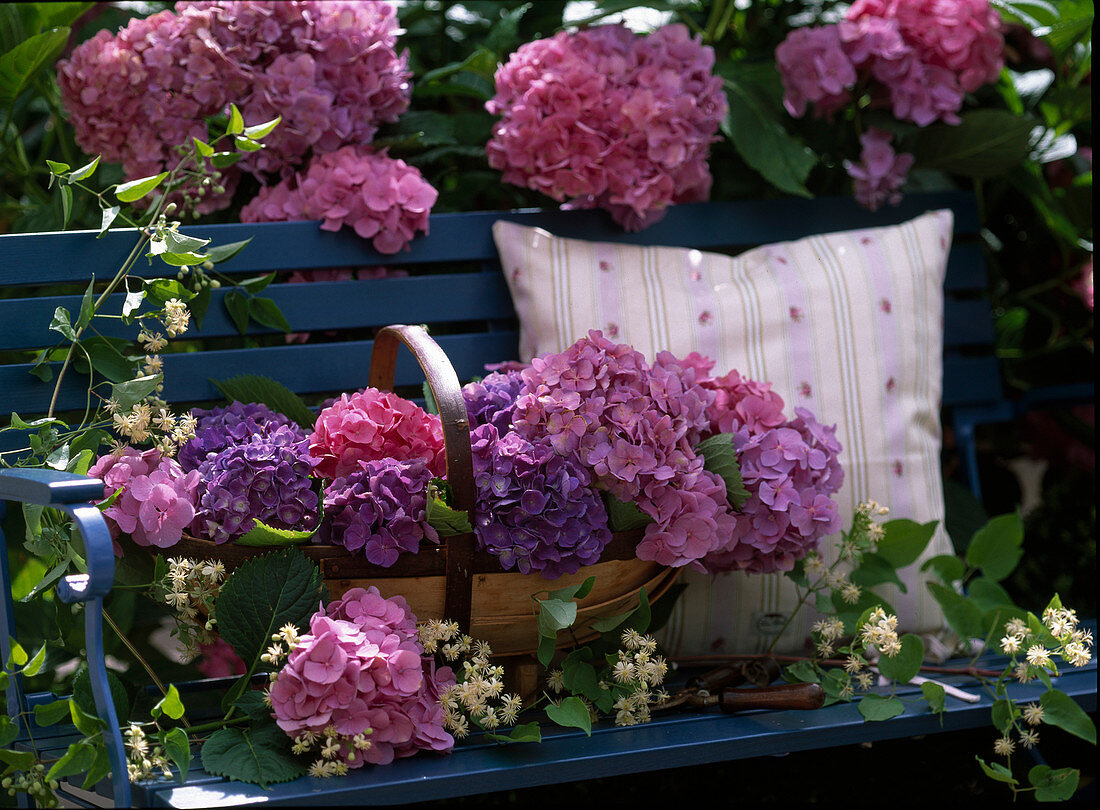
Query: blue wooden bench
<point x="455" y="287"/>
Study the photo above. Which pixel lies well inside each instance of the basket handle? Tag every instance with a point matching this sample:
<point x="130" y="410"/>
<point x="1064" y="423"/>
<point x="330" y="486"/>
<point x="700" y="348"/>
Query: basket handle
<point x="447" y="391"/>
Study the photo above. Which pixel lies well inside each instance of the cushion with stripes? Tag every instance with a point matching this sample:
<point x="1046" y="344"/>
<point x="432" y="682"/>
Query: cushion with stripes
<point x="848" y="324"/>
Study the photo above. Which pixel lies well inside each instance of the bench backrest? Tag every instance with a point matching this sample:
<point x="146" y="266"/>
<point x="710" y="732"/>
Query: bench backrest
<point x="454" y="286"/>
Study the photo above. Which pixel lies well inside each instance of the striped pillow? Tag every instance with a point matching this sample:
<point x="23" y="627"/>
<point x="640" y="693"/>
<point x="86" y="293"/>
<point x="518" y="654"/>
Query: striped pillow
<point x="846" y="324"/>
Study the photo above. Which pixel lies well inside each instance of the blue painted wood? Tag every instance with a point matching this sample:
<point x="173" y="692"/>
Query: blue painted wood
<point x="478" y="766"/>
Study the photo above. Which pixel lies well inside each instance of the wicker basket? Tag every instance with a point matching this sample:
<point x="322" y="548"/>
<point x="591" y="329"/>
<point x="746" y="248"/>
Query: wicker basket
<point x="454" y="580"/>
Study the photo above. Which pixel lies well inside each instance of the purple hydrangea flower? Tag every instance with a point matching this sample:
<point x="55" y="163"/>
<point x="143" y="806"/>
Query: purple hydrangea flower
<point x="536" y="510"/>
<point x="490" y="401"/>
<point x="266" y="479"/>
<point x="380" y="508"/>
<point x="236" y="423"/>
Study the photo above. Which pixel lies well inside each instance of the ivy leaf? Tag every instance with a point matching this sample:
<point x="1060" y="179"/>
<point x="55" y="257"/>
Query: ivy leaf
<point x="720" y="458"/>
<point x="260" y="756"/>
<point x="263" y="535"/>
<point x="1060" y="710"/>
<point x="877" y="707"/>
<point x="269" y="392"/>
<point x="262" y="595"/>
<point x="571" y="713"/>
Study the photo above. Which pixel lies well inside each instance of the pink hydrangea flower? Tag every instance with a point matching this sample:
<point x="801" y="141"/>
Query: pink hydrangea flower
<point x="815" y="69"/>
<point x="880" y="174"/>
<point x="603" y="117"/>
<point x="330" y="69"/>
<point x="217" y="660"/>
<point x="158" y="499"/>
<point x="379" y="197"/>
<point x="371" y="425"/>
<point x="363" y="677"/>
<point x="1083" y="285"/>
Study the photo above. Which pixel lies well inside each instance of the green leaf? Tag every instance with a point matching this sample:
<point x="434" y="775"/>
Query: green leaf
<point x="947" y="567"/>
<point x="199" y="305"/>
<point x="987" y="143"/>
<point x="877" y="707"/>
<point x="223" y="253"/>
<point x="904" y="541"/>
<point x="874" y="570"/>
<point x="47" y="714"/>
<point x="170" y="704"/>
<point x="624" y="516"/>
<point x="555" y="615"/>
<point x="107" y="360"/>
<point x="546" y="649"/>
<point x="182" y="243"/>
<point x="270" y="536"/>
<point x="130" y="393"/>
<point x="84" y="171"/>
<point x="801" y="671"/>
<point x="9" y="730"/>
<point x="571" y="713"/>
<point x="57" y="169"/>
<point x="258" y="131"/>
<point x="66" y="205"/>
<point x="247" y="144"/>
<point x="223" y="160"/>
<point x="1003" y="713"/>
<point x="62" y="323"/>
<point x="182" y="259"/>
<point x="720" y="458"/>
<point x="1060" y="710"/>
<point x="903" y="666"/>
<point x="108" y="216"/>
<point x="77" y="759"/>
<point x="252" y="704"/>
<point x="27" y="59"/>
<point x="100" y="768"/>
<point x="136" y="189"/>
<point x="87" y="306"/>
<point x="998" y="546"/>
<point x="269" y="392"/>
<point x="202" y="147"/>
<point x="580" y="678"/>
<point x="963" y="615"/>
<point x="447" y="521"/>
<point x="935" y="696"/>
<point x="528" y="732"/>
<point x="578" y="591"/>
<point x="32" y="667"/>
<point x="1053" y="785"/>
<point x="260" y="756"/>
<point x="84" y="698"/>
<point x="178" y="749"/>
<point x="17" y="656"/>
<point x="262" y="595"/>
<point x="997" y="771"/>
<point x="753" y="125"/>
<point x="266" y="312"/>
<point x="236" y="304"/>
<point x="256" y="284"/>
<point x="988" y="594"/>
<point x="236" y="121"/>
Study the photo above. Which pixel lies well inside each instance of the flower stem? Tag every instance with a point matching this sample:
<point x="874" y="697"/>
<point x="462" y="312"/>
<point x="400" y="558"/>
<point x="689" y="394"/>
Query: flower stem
<point x="140" y="659"/>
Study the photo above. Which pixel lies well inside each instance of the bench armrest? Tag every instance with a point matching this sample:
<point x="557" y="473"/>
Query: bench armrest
<point x="73" y="494"/>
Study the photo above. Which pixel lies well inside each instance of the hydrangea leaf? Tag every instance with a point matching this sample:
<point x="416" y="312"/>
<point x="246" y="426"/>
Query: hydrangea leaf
<point x="986" y="143"/>
<point x="262" y="595"/>
<point x="267" y="536"/>
<point x="259" y="755"/>
<point x="720" y="458"/>
<point x="624" y="516"/>
<point x="269" y="392"/>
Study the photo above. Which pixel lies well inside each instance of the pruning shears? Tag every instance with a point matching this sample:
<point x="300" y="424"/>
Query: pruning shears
<point x="719" y="687"/>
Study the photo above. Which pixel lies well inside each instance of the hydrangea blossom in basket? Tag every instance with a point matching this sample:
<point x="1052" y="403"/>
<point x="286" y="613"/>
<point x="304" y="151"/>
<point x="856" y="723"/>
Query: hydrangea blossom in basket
<point x="590" y="457"/>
